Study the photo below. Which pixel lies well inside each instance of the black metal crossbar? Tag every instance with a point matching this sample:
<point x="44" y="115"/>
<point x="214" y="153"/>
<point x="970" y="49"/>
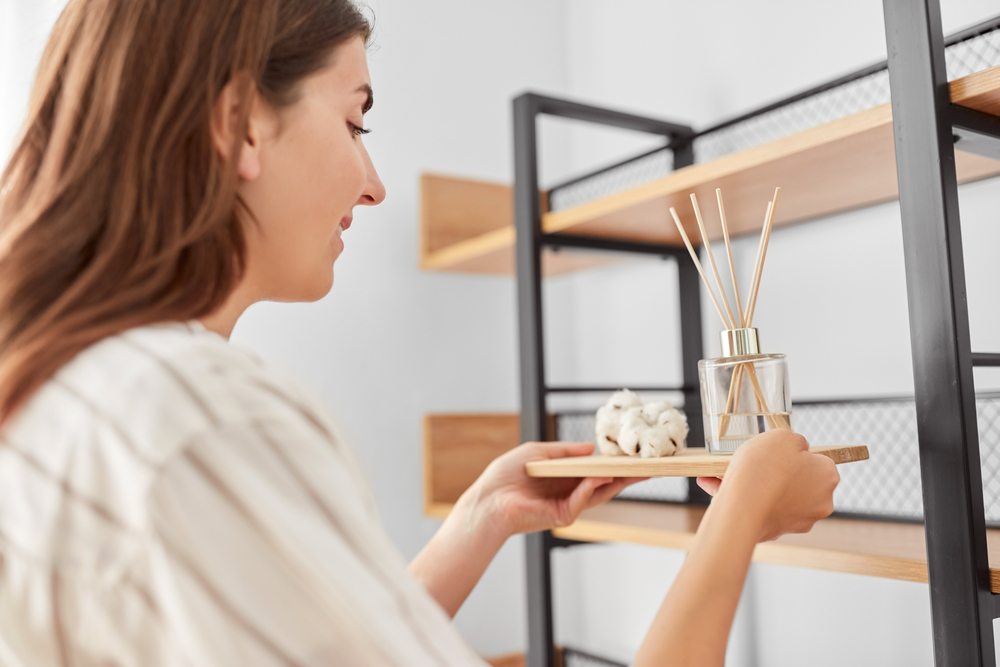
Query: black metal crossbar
<point x="985" y="359"/>
<point x="975" y="131"/>
<point x="557" y="241"/>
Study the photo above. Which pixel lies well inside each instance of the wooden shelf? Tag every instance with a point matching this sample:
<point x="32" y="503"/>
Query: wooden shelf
<point x="842" y="165"/>
<point x="693" y="462"/>
<point x="856" y="546"/>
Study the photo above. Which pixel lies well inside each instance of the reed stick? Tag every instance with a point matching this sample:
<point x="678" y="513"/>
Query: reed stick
<point x="711" y="259"/>
<point x="752" y="303"/>
<point x="697" y="264"/>
<point x="729" y="254"/>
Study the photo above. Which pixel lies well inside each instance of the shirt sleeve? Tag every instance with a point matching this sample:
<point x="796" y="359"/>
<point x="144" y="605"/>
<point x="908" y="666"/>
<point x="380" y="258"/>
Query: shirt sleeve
<point x="262" y="552"/>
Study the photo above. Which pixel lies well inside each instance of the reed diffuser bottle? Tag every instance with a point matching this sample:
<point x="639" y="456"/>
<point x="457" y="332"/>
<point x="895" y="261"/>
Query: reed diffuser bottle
<point x="743" y="392"/>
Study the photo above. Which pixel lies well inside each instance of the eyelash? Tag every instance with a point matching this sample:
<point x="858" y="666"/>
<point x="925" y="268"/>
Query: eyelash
<point x="357" y="130"/>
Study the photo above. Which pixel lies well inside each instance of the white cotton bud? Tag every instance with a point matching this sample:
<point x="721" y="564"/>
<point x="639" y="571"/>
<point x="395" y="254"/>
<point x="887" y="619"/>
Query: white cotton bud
<point x="624" y="399"/>
<point x="632" y="426"/>
<point x="657" y="441"/>
<point x="607" y="428"/>
<point x="677" y="422"/>
<point x="651" y="411"/>
<point x="608" y="448"/>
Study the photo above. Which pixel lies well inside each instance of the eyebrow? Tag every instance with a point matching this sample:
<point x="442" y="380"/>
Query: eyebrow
<point x="365" y="88"/>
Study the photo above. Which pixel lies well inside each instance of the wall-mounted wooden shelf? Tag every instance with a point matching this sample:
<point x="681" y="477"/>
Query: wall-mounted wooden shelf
<point x="856" y="546"/>
<point x="693" y="462"/>
<point x="842" y="165"/>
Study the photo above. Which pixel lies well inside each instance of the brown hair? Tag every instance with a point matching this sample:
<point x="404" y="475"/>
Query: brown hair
<point x="115" y="208"/>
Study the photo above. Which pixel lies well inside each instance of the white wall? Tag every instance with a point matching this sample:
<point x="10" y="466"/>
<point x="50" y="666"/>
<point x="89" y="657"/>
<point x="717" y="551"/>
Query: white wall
<point x="444" y="73"/>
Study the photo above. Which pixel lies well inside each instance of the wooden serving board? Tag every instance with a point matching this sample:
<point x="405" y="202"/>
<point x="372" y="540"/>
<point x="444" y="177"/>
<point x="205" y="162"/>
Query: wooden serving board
<point x="685" y="463"/>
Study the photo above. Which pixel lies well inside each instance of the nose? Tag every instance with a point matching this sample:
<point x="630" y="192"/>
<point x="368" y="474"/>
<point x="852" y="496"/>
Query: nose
<point x="374" y="192"/>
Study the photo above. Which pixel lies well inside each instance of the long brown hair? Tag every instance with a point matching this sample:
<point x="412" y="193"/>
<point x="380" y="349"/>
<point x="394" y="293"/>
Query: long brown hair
<point x="115" y="208"/>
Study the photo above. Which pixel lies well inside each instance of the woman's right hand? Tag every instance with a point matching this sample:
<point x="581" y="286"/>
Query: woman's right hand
<point x="777" y="483"/>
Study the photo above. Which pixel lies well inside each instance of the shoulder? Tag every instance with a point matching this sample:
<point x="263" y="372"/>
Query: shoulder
<point x="161" y="386"/>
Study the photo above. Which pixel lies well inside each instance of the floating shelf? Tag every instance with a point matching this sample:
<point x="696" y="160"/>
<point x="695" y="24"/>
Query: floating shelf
<point x="694" y="462"/>
<point x="857" y="546"/>
<point x="842" y="165"/>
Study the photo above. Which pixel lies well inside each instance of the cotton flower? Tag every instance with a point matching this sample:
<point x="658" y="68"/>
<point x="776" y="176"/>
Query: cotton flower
<point x="627" y="427"/>
<point x="657" y="441"/>
<point x="608" y="426"/>
<point x="677" y="422"/>
<point x="632" y="427"/>
<point x="651" y="411"/>
<point x="624" y="399"/>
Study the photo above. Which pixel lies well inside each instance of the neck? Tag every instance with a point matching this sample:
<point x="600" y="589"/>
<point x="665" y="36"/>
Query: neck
<point x="223" y="320"/>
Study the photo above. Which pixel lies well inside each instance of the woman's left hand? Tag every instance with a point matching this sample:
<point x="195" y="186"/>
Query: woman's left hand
<point x="505" y="498"/>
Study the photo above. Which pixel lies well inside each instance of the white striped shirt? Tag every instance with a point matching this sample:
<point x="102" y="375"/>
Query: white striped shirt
<point x="167" y="500"/>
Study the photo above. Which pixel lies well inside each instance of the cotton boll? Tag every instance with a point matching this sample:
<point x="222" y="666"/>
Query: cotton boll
<point x="657" y="441"/>
<point x="676" y="421"/>
<point x="632" y="427"/>
<point x="608" y="448"/>
<point x="608" y="426"/>
<point x="624" y="399"/>
<point x="651" y="411"/>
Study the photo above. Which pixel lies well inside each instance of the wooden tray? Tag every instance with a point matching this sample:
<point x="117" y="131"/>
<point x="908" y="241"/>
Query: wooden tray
<point x="686" y="463"/>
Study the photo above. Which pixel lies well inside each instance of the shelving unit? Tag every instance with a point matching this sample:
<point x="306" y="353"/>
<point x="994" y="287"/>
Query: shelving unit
<point x="858" y="168"/>
<point x="931" y="136"/>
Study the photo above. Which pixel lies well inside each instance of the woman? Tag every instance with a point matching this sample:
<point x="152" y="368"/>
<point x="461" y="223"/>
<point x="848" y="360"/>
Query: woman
<point x="164" y="498"/>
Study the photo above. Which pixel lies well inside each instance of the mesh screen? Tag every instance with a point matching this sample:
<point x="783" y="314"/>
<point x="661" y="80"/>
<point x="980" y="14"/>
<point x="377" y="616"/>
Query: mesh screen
<point x="964" y="58"/>
<point x="887" y="485"/>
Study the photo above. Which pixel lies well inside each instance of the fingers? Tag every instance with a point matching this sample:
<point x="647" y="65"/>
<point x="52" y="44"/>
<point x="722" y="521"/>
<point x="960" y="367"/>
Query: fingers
<point x="710" y="485"/>
<point x="610" y="490"/>
<point x="578" y="500"/>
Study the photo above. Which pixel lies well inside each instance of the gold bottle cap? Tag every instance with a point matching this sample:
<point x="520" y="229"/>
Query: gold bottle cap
<point x="739" y="342"/>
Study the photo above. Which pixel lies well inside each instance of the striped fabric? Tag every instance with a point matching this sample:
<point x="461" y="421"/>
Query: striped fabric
<point x="166" y="500"/>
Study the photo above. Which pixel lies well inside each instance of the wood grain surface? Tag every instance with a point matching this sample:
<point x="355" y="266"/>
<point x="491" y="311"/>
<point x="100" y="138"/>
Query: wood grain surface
<point x="841" y="165"/>
<point x="695" y="462"/>
<point x="888" y="549"/>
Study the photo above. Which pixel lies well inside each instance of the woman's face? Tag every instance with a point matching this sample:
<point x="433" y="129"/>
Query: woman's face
<point x="303" y="170"/>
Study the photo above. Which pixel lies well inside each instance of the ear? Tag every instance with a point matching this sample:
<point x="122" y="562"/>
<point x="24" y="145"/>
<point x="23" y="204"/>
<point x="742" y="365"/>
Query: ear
<point x="226" y="130"/>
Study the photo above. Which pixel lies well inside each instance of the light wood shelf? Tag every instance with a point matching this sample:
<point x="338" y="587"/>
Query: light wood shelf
<point x="693" y="462"/>
<point x="856" y="546"/>
<point x="845" y="164"/>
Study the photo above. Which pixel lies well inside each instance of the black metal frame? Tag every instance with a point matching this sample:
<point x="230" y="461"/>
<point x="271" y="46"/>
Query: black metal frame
<point x="927" y="128"/>
<point x="530" y="241"/>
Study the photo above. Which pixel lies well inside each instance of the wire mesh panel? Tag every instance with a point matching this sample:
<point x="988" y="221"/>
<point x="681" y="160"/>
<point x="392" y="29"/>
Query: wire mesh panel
<point x="855" y="94"/>
<point x="640" y="170"/>
<point x="886" y="485"/>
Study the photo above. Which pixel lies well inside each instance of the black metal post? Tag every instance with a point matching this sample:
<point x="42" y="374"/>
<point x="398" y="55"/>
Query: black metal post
<point x="689" y="288"/>
<point x="957" y="560"/>
<point x="528" y="245"/>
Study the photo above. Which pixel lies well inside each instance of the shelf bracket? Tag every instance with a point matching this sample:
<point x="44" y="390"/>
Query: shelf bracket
<point x="975" y="131"/>
<point x="563" y="543"/>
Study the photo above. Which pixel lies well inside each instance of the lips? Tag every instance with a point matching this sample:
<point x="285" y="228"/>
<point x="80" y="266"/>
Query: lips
<point x="345" y="223"/>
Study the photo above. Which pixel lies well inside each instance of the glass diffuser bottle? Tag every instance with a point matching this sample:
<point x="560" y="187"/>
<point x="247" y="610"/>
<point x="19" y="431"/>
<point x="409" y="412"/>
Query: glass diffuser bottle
<point x="743" y="392"/>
